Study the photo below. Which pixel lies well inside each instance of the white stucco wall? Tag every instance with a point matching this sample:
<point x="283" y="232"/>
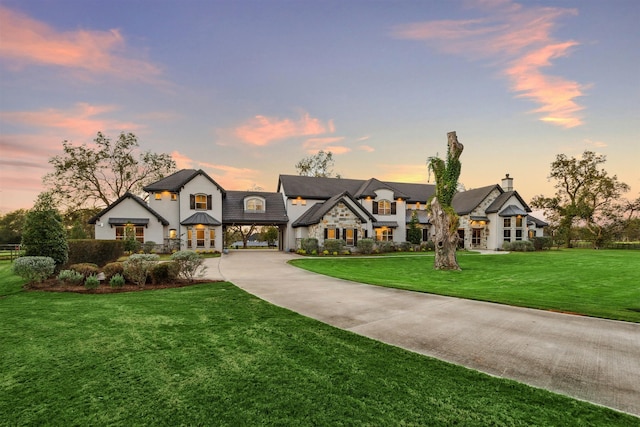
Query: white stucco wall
<point x="129" y="208"/>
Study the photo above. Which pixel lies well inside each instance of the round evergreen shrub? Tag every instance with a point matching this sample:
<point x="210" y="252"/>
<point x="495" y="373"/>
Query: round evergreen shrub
<point x="34" y="268"/>
<point x="112" y="269"/>
<point x="43" y="233"/>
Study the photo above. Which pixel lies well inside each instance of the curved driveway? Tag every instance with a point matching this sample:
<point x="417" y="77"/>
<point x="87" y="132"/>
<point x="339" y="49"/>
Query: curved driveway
<point x="586" y="358"/>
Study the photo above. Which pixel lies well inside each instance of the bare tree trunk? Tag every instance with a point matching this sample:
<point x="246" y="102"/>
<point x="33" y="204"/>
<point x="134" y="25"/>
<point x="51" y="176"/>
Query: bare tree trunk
<point x="443" y="216"/>
<point x="445" y="223"/>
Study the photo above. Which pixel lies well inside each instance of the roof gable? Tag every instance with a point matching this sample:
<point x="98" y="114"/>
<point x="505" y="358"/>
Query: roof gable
<point x="233" y="211"/>
<point x="502" y="199"/>
<point x="176" y="181"/>
<point x="316" y="212"/>
<point x="464" y="202"/>
<point x="136" y="199"/>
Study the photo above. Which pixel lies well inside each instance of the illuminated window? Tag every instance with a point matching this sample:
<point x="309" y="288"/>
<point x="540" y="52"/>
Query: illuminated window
<point x="212" y="238"/>
<point x="384" y="207"/>
<point x="158" y="196"/>
<point x="254" y="204"/>
<point x="331" y="233"/>
<point x="384" y="234"/>
<point x="173" y="233"/>
<point x="174" y="197"/>
<point x="201" y="201"/>
<point x="137" y="231"/>
<point x="189" y="237"/>
<point x="350" y="236"/>
<point x="200" y="237"/>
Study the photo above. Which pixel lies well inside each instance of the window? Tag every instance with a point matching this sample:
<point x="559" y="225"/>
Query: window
<point x="384" y="234"/>
<point x="173" y="233"/>
<point x="350" y="236"/>
<point x="331" y="233"/>
<point x="200" y="237"/>
<point x="189" y="237"/>
<point x="476" y="236"/>
<point x="507" y="223"/>
<point x="518" y="221"/>
<point x="212" y="238"/>
<point x="254" y="204"/>
<point x="384" y="207"/>
<point x="519" y="234"/>
<point x="122" y="232"/>
<point x="507" y="235"/>
<point x="201" y="201"/>
<point x="158" y="196"/>
<point x="174" y="197"/>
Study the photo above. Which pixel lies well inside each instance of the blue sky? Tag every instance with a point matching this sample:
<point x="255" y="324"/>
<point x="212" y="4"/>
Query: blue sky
<point x="245" y="89"/>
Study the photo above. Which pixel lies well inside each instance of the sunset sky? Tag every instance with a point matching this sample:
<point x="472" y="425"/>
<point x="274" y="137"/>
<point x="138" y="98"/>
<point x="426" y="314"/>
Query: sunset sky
<point x="245" y="89"/>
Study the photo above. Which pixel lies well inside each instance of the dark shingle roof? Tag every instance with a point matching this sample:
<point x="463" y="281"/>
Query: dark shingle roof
<point x="502" y="199"/>
<point x="512" y="210"/>
<point x="465" y="202"/>
<point x="134" y="198"/>
<point x="177" y="180"/>
<point x="537" y="222"/>
<point x="316" y="212"/>
<point x="233" y="208"/>
<point x="200" y="218"/>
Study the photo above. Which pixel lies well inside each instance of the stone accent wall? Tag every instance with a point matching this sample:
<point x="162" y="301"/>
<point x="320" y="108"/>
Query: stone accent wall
<point x="339" y="217"/>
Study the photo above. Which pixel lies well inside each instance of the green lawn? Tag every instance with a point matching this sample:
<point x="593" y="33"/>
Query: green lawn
<point x="599" y="283"/>
<point x="212" y="354"/>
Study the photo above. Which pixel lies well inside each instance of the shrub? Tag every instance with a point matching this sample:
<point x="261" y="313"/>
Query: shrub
<point x="164" y="272"/>
<point x="148" y="247"/>
<point x="131" y="245"/>
<point x="43" y="233"/>
<point x="309" y="245"/>
<point x="34" y="268"/>
<point x="334" y="245"/>
<point x="70" y="277"/>
<point x="92" y="282"/>
<point x="365" y="246"/>
<point x="85" y="268"/>
<point x="386" y="246"/>
<point x="429" y="245"/>
<point x="116" y="281"/>
<point x="99" y="252"/>
<point x="405" y="246"/>
<point x="112" y="269"/>
<point x="138" y="266"/>
<point x="188" y="264"/>
<point x="541" y="243"/>
<point x="518" y="246"/>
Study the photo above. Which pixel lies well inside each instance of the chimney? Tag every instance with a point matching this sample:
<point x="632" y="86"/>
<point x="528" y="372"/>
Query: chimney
<point x="507" y="183"/>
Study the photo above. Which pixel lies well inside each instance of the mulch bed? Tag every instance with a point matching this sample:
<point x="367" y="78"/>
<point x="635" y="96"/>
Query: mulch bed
<point x="53" y="285"/>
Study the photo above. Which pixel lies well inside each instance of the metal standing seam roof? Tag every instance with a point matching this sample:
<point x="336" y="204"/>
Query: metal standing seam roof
<point x="201" y="218"/>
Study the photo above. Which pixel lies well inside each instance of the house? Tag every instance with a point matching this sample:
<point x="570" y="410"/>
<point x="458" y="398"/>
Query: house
<point x="189" y="210"/>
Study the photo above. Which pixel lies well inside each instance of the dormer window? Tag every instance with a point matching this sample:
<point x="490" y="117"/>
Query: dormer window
<point x="254" y="204"/>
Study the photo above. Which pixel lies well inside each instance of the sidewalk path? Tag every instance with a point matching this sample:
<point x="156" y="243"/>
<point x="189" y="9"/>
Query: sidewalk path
<point x="586" y="358"/>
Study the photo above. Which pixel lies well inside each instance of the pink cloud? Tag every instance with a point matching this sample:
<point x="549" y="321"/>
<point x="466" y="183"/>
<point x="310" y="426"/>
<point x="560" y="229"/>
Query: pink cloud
<point x="518" y="40"/>
<point x="366" y="148"/>
<point x="26" y="41"/>
<point x="83" y="120"/>
<point x="313" y="145"/>
<point x="229" y="177"/>
<point x="262" y="130"/>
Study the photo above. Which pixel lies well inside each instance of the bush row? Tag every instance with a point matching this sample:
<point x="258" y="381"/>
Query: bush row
<point x="137" y="269"/>
<point x="99" y="252"/>
<point x="311" y="246"/>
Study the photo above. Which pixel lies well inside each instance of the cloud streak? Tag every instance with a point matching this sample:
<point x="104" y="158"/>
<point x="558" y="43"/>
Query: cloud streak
<point x="26" y="42"/>
<point x="518" y="40"/>
<point x="263" y="130"/>
<point x="228" y="177"/>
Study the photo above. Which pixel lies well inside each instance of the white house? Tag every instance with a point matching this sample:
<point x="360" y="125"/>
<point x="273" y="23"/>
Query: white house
<point x="190" y="210"/>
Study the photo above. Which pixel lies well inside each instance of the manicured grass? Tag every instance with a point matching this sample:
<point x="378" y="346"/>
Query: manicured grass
<point x="212" y="354"/>
<point x="599" y="283"/>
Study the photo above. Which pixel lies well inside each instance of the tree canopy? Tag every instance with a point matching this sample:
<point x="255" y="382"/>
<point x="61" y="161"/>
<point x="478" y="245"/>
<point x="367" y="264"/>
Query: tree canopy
<point x="584" y="192"/>
<point x="43" y="233"/>
<point x="97" y="175"/>
<point x="318" y="165"/>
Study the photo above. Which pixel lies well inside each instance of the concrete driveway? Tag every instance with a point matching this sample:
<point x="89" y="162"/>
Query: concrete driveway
<point x="586" y="358"/>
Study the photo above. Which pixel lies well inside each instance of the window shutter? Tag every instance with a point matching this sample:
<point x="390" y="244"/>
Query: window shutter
<point x="326" y="233"/>
<point x="366" y="234"/>
<point x="393" y="208"/>
<point x="344" y="234"/>
<point x="375" y="208"/>
<point x="355" y="237"/>
<point x="192" y="201"/>
<point x="337" y="234"/>
<point x="209" y="202"/>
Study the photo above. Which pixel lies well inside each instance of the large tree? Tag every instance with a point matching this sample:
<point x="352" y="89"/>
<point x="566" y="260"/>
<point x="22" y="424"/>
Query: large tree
<point x="96" y="175"/>
<point x="318" y="165"/>
<point x="443" y="216"/>
<point x="11" y="226"/>
<point x="585" y="193"/>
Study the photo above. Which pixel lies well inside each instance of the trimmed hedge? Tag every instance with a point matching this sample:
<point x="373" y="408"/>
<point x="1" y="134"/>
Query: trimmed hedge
<point x="334" y="245"/>
<point x="164" y="272"/>
<point x="100" y="252"/>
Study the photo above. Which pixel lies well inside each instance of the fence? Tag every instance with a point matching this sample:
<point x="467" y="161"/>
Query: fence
<point x="583" y="244"/>
<point x="10" y="252"/>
